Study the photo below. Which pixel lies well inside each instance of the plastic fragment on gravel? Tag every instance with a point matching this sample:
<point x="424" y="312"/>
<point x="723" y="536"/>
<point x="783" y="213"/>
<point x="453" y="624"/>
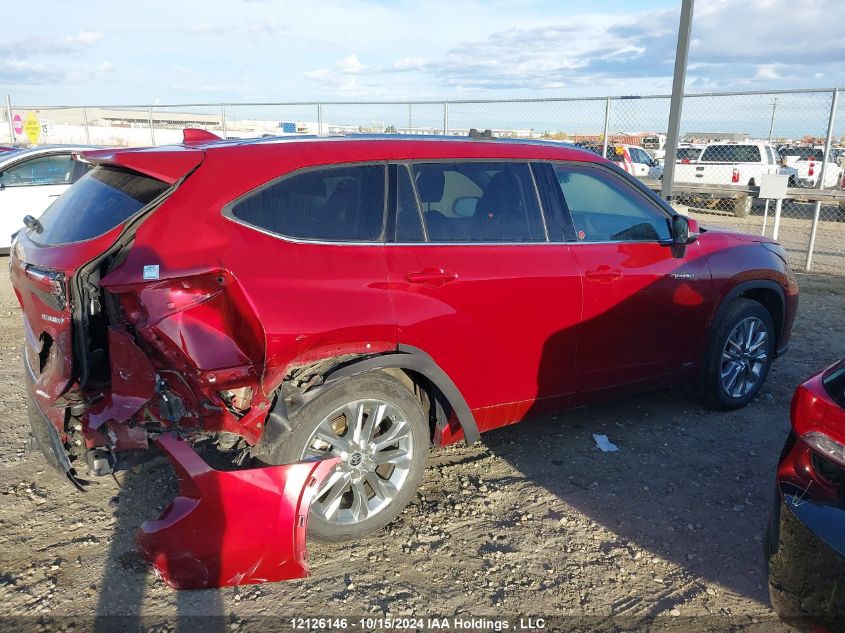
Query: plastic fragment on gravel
<point x="604" y="444"/>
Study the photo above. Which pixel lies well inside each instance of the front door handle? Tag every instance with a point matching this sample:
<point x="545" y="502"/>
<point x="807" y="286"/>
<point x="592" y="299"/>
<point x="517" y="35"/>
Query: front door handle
<point x="430" y="277"/>
<point x="603" y="273"/>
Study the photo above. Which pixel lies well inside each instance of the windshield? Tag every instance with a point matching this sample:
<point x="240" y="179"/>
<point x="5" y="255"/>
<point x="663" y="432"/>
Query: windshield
<point x="805" y="153"/>
<point x="98" y="202"/>
<point x="688" y="153"/>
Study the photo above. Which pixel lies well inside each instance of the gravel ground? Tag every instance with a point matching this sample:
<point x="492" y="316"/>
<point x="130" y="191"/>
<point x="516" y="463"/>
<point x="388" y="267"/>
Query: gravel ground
<point x="536" y="521"/>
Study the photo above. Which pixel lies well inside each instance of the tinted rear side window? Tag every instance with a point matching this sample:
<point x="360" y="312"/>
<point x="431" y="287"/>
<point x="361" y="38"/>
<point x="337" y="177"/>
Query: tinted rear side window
<point x="479" y="202"/>
<point x="99" y="201"/>
<point x="344" y="203"/>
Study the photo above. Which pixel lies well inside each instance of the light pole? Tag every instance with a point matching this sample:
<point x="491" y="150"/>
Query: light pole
<point x="772" y="124"/>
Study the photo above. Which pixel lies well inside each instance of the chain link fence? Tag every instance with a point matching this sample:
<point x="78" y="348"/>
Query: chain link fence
<point x="728" y="142"/>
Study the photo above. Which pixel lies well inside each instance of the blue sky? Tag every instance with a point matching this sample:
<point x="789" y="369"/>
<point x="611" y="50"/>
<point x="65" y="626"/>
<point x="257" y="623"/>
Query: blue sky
<point x="201" y="51"/>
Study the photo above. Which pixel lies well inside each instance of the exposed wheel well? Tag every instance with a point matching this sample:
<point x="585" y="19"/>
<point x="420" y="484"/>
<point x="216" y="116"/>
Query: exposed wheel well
<point x="415" y="369"/>
<point x="770" y="300"/>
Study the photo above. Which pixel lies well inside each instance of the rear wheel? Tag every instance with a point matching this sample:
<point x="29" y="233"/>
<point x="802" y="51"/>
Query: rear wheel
<point x="377" y="428"/>
<point x="739" y="356"/>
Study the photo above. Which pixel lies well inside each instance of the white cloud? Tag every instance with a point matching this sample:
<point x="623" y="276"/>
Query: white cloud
<point x="767" y="71"/>
<point x="84" y="38"/>
<point x="410" y="63"/>
<point x="349" y="64"/>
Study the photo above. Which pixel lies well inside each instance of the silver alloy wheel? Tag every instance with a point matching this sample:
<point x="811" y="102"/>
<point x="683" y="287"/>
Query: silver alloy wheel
<point x="744" y="357"/>
<point x="374" y="442"/>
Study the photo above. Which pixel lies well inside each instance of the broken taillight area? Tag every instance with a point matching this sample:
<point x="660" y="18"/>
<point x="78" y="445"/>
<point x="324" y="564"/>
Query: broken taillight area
<point x="227" y="528"/>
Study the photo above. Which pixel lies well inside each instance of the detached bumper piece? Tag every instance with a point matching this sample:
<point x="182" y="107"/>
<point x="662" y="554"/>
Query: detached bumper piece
<point x="227" y="528"/>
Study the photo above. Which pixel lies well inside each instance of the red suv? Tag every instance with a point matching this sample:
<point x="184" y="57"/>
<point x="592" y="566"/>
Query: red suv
<point x="367" y="297"/>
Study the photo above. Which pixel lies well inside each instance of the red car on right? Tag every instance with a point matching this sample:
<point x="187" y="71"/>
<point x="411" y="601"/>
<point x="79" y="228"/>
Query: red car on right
<point x="806" y="539"/>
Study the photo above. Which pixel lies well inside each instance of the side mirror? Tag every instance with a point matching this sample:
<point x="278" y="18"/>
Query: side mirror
<point x="684" y="230"/>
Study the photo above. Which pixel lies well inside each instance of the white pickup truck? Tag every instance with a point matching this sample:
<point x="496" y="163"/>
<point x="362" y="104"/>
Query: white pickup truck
<point x="808" y="163"/>
<point x="732" y="164"/>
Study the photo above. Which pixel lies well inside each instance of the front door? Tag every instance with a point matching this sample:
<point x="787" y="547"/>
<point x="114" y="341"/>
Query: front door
<point x="477" y="284"/>
<point x="645" y="301"/>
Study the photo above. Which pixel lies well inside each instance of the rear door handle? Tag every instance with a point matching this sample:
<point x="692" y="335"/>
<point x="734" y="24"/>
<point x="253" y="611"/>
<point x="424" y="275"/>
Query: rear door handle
<point x="430" y="277"/>
<point x="603" y="273"/>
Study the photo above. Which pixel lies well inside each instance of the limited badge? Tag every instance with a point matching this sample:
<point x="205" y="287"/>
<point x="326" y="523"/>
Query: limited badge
<point x="151" y="272"/>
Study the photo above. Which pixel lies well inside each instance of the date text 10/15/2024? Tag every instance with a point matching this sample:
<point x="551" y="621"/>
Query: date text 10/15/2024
<point x="433" y="623"/>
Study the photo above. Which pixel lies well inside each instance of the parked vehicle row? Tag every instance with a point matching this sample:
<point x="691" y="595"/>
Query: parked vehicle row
<point x="733" y="164"/>
<point x="809" y="163"/>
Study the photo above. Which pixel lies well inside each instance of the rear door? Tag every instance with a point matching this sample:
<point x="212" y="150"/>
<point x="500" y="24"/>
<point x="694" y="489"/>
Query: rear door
<point x="478" y="284"/>
<point x="645" y="303"/>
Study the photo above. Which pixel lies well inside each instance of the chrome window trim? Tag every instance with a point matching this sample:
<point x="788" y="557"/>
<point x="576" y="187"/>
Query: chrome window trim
<point x="226" y="209"/>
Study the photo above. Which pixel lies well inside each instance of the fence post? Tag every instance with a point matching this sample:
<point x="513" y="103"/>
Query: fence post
<point x="445" y="118"/>
<point x="818" y="206"/>
<point x="87" y="131"/>
<point x="152" y="128"/>
<point x="776" y="226"/>
<point x="319" y="119"/>
<point x="676" y="105"/>
<point x="606" y="127"/>
<point x="223" y="118"/>
<point x="11" y="125"/>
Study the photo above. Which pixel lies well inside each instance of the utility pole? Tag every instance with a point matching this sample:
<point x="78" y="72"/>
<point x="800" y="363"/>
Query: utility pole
<point x="772" y="124"/>
<point x="678" y="82"/>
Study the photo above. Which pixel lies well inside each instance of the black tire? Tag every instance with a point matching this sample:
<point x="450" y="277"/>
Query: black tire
<point x="711" y="389"/>
<point x="742" y="206"/>
<point x="378" y="386"/>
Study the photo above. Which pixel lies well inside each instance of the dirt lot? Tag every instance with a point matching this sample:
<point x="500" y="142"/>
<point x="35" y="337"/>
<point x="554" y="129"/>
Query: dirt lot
<point x="536" y="522"/>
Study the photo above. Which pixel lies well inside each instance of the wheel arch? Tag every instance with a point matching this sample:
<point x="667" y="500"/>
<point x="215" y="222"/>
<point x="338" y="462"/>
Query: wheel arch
<point x="410" y="364"/>
<point x="414" y="360"/>
<point x="766" y="292"/>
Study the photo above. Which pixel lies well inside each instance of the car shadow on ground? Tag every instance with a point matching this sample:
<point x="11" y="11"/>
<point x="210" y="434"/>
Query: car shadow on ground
<point x="128" y="576"/>
<point x="688" y="485"/>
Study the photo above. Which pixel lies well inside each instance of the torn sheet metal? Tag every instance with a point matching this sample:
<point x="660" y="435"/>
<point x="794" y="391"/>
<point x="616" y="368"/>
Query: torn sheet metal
<point x="133" y="381"/>
<point x="227" y="528"/>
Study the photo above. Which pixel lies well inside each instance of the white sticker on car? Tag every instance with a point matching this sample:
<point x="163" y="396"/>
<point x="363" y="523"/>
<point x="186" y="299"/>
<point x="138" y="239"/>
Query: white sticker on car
<point x="151" y="271"/>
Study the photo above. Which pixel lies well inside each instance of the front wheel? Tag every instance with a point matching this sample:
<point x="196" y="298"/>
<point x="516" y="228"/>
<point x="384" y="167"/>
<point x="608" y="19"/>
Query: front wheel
<point x="377" y="428"/>
<point x="739" y="356"/>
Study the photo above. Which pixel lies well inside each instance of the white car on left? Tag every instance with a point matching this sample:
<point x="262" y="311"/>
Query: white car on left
<point x="30" y="180"/>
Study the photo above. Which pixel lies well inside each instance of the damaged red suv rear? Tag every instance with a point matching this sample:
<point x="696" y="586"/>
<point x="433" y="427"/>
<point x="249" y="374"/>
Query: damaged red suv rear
<point x="305" y="303"/>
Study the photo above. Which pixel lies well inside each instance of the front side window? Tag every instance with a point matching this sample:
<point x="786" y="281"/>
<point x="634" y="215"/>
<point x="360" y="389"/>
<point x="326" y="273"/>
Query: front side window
<point x="344" y="203"/>
<point x="479" y="202"/>
<point x="42" y="170"/>
<point x="604" y="208"/>
<point x="640" y="156"/>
